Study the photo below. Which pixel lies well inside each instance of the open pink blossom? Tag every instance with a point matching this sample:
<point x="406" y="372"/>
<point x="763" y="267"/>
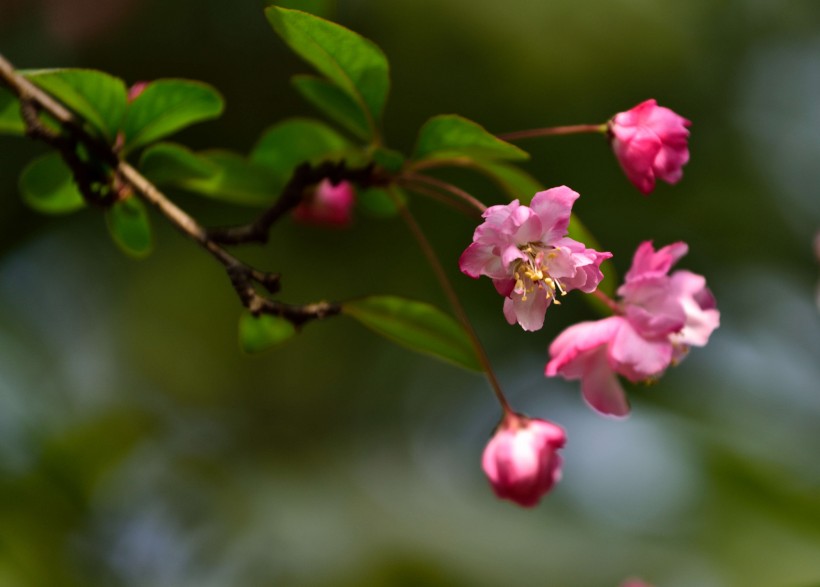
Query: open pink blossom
<point x="650" y="142"/>
<point x="635" y="583"/>
<point x="660" y="317"/>
<point x="521" y="460"/>
<point x="525" y="251"/>
<point x="327" y="205"/>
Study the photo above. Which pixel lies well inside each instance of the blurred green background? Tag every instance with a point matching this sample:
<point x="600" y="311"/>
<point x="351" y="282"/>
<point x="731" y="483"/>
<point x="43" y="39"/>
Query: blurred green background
<point x="139" y="447"/>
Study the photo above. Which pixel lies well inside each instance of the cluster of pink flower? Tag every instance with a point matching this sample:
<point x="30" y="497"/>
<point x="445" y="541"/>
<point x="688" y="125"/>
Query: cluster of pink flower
<point x="525" y="251"/>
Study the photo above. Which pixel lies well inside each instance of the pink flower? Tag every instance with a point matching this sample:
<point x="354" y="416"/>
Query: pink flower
<point x="650" y="142"/>
<point x="660" y="317"/>
<point x="635" y="583"/>
<point x="521" y="460"/>
<point x="327" y="205"/>
<point x="525" y="251"/>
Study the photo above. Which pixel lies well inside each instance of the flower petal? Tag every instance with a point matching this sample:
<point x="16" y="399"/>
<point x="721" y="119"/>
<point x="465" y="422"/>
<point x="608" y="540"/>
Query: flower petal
<point x="553" y="207"/>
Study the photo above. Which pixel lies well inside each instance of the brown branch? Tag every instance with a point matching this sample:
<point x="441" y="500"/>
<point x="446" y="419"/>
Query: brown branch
<point x="102" y="177"/>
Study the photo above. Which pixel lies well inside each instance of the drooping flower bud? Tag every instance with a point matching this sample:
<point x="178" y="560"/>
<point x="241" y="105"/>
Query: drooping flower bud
<point x="521" y="460"/>
<point x="650" y="142"/>
<point x="327" y="205"/>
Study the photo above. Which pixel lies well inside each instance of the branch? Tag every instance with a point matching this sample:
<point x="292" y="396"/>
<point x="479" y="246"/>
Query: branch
<point x="121" y="179"/>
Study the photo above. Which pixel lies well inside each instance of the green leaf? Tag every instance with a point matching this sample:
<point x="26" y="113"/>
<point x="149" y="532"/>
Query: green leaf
<point x="98" y="98"/>
<point x="237" y="180"/>
<point x="450" y="135"/>
<point x="263" y="332"/>
<point x="417" y="326"/>
<point x="335" y="103"/>
<point x="10" y="120"/>
<point x="129" y="226"/>
<point x="47" y="185"/>
<point x="297" y="140"/>
<point x="166" y="106"/>
<point x="170" y="163"/>
<point x="221" y="175"/>
<point x="352" y="62"/>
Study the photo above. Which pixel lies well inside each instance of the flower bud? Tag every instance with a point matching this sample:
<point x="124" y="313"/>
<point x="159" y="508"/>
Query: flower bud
<point x="327" y="205"/>
<point x="521" y="460"/>
<point x="650" y="142"/>
<point x="135" y="90"/>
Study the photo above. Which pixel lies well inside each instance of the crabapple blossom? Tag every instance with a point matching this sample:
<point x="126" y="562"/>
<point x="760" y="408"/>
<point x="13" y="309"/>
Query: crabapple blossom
<point x="327" y="204"/>
<point x="650" y="142"/>
<point x="525" y="251"/>
<point x="521" y="460"/>
<point x="660" y="317"/>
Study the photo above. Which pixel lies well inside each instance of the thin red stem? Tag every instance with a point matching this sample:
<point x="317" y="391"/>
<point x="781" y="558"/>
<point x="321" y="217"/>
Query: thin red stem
<point x="452" y="297"/>
<point x="447" y="187"/>
<point x="608" y="301"/>
<point x="553" y="131"/>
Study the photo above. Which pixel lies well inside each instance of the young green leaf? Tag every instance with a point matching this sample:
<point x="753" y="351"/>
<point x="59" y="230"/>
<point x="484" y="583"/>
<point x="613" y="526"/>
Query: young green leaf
<point x="258" y="333"/>
<point x="10" y="120"/>
<point x="48" y="186"/>
<point x="335" y="103"/>
<point x="417" y="326"/>
<point x="298" y="140"/>
<point x="167" y="106"/>
<point x="450" y="135"/>
<point x="129" y="226"/>
<point x="98" y="98"/>
<point x="352" y="62"/>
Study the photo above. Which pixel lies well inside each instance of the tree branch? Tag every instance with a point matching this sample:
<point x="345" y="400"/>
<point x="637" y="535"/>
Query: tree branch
<point x="103" y="177"/>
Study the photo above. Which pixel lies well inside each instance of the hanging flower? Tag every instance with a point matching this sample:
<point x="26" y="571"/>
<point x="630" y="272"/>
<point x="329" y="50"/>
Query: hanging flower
<point x="661" y="316"/>
<point x="650" y="142"/>
<point x="522" y="461"/>
<point x="327" y="204"/>
<point x="525" y="251"/>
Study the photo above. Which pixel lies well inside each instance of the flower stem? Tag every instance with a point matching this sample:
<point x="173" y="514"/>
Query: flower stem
<point x="553" y="131"/>
<point x="452" y="297"/>
<point x="459" y="193"/>
<point x="608" y="301"/>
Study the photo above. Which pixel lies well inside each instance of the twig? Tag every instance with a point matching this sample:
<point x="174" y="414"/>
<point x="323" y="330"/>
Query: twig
<point x="103" y="177"/>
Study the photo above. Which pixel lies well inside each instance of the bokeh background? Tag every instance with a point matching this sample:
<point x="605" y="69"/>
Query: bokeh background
<point x="140" y="447"/>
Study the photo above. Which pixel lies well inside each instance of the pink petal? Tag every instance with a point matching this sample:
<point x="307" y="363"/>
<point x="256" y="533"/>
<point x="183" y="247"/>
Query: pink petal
<point x="636" y="357"/>
<point x="568" y="350"/>
<point x="600" y="386"/>
<point x="528" y="313"/>
<point x="648" y="263"/>
<point x="554" y="207"/>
